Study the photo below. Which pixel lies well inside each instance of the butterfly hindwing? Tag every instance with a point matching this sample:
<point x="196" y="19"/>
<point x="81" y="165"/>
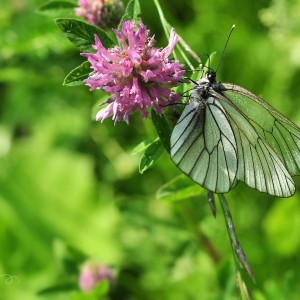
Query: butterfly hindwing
<point x="259" y="165"/>
<point x="277" y="130"/>
<point x="203" y="145"/>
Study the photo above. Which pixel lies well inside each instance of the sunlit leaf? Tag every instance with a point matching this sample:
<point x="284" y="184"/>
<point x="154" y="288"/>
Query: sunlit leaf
<point x="164" y="125"/>
<point x="143" y="145"/>
<point x="63" y="287"/>
<point x="101" y="289"/>
<point x="82" y="34"/>
<point x="151" y="155"/>
<point x="133" y="10"/>
<point x="76" y="76"/>
<point x="57" y="8"/>
<point x="179" y="188"/>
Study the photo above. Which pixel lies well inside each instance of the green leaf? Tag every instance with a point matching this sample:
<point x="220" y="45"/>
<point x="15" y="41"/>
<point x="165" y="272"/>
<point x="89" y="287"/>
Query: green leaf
<point x="164" y="125"/>
<point x="97" y="293"/>
<point x="62" y="287"/>
<point x="150" y="156"/>
<point x="143" y="145"/>
<point x="76" y="76"/>
<point x="83" y="296"/>
<point x="179" y="188"/>
<point x="82" y="34"/>
<point x="133" y="10"/>
<point x="101" y="289"/>
<point x="57" y="8"/>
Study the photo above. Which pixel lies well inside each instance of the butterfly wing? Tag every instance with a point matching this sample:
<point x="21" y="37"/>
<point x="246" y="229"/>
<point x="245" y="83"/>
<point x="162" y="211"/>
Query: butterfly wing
<point x="203" y="145"/>
<point x="259" y="165"/>
<point x="277" y="130"/>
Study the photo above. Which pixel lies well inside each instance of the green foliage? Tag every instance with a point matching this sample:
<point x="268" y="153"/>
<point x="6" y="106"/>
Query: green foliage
<point x="179" y="188"/>
<point x="164" y="124"/>
<point x="76" y="76"/>
<point x="98" y="293"/>
<point x="150" y="156"/>
<point x="152" y="152"/>
<point x="55" y="9"/>
<point x="70" y="189"/>
<point x="133" y="11"/>
<point x="82" y="34"/>
<point x="141" y="147"/>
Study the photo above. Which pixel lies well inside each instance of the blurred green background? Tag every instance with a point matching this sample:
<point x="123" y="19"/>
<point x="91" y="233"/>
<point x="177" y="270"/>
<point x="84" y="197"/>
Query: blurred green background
<point x="71" y="190"/>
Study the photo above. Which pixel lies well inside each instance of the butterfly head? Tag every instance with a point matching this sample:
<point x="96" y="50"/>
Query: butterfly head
<point x="211" y="76"/>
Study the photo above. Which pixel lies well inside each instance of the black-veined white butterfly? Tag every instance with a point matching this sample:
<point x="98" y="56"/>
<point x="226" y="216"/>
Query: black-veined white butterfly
<point x="226" y="134"/>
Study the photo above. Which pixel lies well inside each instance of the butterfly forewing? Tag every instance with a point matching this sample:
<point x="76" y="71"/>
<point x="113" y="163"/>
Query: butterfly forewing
<point x="203" y="145"/>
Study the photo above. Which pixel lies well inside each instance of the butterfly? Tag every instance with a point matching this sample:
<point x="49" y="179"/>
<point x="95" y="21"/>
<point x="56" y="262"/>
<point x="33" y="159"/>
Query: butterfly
<point x="227" y="134"/>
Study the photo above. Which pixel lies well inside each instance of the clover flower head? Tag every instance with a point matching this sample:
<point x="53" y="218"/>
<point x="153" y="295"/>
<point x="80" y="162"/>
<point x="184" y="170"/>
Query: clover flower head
<point x="135" y="74"/>
<point x="103" y="13"/>
<point x="93" y="273"/>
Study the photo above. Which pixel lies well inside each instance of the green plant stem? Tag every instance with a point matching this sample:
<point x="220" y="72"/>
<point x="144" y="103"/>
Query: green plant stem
<point x="240" y="260"/>
<point x="167" y="28"/>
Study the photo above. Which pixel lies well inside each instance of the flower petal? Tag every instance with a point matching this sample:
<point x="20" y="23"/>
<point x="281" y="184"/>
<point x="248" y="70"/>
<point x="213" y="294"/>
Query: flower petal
<point x="105" y="113"/>
<point x="172" y="42"/>
<point x="136" y="75"/>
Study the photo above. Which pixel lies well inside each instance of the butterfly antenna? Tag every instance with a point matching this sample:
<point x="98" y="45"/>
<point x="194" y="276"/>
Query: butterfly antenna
<point x="221" y="59"/>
